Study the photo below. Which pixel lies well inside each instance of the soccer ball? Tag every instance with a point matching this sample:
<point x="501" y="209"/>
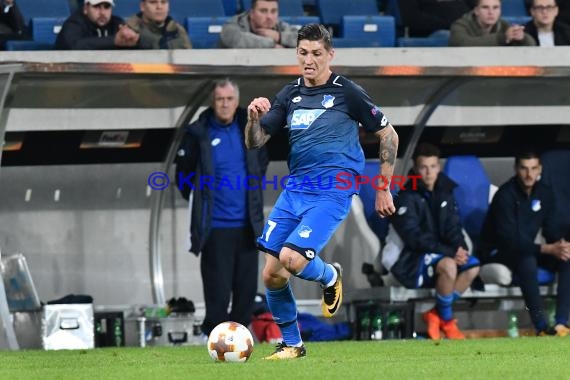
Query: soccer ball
<point x="230" y="342"/>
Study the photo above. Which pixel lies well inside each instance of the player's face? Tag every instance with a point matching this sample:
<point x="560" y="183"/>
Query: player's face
<point x="314" y="61"/>
<point x="155" y="11"/>
<point x="99" y="14"/>
<point x="264" y="15"/>
<point x="544" y="12"/>
<point x="428" y="168"/>
<point x="488" y="12"/>
<point x="225" y="104"/>
<point x="528" y="171"/>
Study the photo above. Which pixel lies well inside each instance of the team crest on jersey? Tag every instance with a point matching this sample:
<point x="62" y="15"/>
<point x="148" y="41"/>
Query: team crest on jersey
<point x="328" y="101"/>
<point x="302" y="119"/>
<point x="305" y="231"/>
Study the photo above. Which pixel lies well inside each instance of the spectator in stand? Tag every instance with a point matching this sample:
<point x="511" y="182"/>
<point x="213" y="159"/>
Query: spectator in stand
<point x="12" y="24"/>
<point x="423" y="17"/>
<point x="545" y="27"/>
<point x="93" y="27"/>
<point x="483" y="26"/>
<point x="156" y="28"/>
<point x="521" y="208"/>
<point x="434" y="252"/>
<point x="258" y="28"/>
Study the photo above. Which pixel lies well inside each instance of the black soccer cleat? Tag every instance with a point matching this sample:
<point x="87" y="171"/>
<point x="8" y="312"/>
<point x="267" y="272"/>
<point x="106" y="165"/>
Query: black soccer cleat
<point x="332" y="296"/>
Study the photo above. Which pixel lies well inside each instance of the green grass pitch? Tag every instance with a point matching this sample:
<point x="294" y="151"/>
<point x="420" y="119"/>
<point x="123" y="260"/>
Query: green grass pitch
<point x="501" y="358"/>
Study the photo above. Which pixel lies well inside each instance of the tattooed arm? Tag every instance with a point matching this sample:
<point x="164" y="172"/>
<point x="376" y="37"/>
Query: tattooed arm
<point x="388" y="153"/>
<point x="255" y="136"/>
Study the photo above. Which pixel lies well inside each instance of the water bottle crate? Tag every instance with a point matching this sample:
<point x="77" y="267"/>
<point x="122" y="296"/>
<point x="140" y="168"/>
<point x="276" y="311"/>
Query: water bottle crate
<point x="397" y="320"/>
<point x="109" y="329"/>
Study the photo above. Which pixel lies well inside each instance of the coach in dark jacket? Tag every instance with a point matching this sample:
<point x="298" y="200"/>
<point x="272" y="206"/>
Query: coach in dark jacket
<point x="93" y="27"/>
<point x="521" y="208"/>
<point x="225" y="180"/>
<point x="434" y="252"/>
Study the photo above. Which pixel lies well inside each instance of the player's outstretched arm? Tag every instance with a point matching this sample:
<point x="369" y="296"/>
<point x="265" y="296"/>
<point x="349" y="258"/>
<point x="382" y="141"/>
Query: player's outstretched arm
<point x="388" y="151"/>
<point x="255" y="136"/>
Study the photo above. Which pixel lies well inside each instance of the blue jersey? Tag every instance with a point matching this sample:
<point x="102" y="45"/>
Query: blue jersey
<point x="323" y="126"/>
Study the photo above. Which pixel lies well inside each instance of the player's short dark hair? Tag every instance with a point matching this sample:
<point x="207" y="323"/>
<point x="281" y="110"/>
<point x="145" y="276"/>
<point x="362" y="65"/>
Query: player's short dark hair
<point x="426" y="149"/>
<point x="526" y="155"/>
<point x="315" y="32"/>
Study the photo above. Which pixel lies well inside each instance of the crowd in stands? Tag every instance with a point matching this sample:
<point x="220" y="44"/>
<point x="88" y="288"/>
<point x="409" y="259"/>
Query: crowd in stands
<point x="152" y="24"/>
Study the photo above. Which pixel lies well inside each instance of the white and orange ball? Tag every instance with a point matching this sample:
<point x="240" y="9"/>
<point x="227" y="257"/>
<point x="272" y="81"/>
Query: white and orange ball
<point x="230" y="342"/>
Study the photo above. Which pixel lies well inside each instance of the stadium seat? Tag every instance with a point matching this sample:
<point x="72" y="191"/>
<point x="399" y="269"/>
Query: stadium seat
<point x="179" y="10"/>
<point x="231" y="7"/>
<point x="436" y="39"/>
<point x="371" y="31"/>
<point x="44" y="8"/>
<point x="204" y="32"/>
<point x="332" y="11"/>
<point x="291" y="8"/>
<point x="301" y="20"/>
<point x="513" y="8"/>
<point x="287" y="8"/>
<point x="45" y="29"/>
<point x="126" y="8"/>
<point x="472" y="192"/>
<point x="14" y="45"/>
<point x="245" y="5"/>
<point x="555" y="173"/>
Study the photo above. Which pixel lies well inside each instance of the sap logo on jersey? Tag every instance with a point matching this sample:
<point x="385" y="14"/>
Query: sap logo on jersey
<point x="302" y="119"/>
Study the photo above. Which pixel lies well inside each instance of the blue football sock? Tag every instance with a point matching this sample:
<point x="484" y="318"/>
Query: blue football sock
<point x="319" y="271"/>
<point x="443" y="306"/>
<point x="283" y="307"/>
<point x="456" y="295"/>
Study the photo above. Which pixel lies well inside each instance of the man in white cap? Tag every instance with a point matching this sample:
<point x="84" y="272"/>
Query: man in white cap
<point x="93" y="27"/>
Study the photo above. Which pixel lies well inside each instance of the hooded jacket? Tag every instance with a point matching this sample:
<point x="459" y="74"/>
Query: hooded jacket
<point x="194" y="156"/>
<point x="466" y="31"/>
<point x="427" y="222"/>
<point x="170" y="36"/>
<point x="79" y="33"/>
<point x="236" y="33"/>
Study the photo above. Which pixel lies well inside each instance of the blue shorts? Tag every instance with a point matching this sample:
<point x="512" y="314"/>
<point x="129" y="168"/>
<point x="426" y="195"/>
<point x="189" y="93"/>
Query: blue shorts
<point x="426" y="272"/>
<point x="304" y="222"/>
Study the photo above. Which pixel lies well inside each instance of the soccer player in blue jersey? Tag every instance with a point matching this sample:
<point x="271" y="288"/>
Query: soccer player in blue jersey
<point x="322" y="111"/>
